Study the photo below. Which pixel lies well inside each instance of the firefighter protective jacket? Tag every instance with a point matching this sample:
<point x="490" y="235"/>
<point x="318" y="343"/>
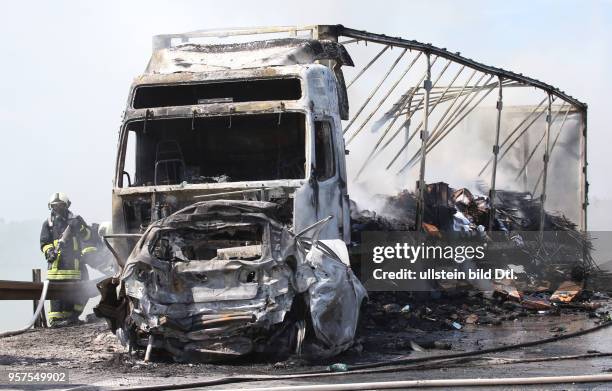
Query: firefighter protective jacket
<point x="67" y="265"/>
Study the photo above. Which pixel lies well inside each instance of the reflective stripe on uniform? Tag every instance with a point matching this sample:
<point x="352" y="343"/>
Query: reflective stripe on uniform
<point x="59" y="314"/>
<point x="55" y="273"/>
<point x="88" y="250"/>
<point x="64" y="275"/>
<point x="64" y="272"/>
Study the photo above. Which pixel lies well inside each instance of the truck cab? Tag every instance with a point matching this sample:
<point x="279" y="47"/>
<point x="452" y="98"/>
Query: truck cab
<point x="255" y="121"/>
<point x="230" y="204"/>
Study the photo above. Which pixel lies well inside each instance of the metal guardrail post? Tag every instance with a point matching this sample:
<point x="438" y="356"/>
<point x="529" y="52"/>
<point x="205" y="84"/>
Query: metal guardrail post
<point x="495" y="153"/>
<point x="424" y="138"/>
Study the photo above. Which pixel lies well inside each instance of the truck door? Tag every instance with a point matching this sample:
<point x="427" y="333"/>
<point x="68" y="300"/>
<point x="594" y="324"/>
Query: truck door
<point x="342" y="182"/>
<point x="325" y="192"/>
<point x="327" y="173"/>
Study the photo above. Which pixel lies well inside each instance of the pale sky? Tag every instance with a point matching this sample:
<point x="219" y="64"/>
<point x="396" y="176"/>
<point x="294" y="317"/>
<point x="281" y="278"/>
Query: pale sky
<point x="67" y="67"/>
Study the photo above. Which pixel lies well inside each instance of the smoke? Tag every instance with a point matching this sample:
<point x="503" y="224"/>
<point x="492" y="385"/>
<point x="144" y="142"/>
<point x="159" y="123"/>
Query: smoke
<point x="380" y="122"/>
<point x="464" y="152"/>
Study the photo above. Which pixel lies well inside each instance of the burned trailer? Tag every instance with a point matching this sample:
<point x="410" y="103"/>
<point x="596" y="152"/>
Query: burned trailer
<point x="425" y="114"/>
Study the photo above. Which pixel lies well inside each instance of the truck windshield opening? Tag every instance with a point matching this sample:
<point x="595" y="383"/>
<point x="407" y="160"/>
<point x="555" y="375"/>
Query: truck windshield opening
<point x="215" y="92"/>
<point x="216" y="149"/>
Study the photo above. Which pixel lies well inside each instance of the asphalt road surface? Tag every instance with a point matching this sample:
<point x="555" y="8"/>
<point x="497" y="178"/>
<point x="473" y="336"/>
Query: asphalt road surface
<point x="92" y="356"/>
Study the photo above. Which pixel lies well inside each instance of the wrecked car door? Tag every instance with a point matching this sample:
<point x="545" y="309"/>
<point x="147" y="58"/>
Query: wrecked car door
<point x="334" y="296"/>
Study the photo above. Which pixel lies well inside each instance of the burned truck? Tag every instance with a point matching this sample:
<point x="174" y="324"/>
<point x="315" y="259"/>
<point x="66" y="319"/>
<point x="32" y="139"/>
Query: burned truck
<point x="230" y="205"/>
<point x="231" y="214"/>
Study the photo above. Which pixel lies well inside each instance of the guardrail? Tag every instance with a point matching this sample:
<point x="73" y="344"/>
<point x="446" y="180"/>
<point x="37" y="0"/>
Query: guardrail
<point x="26" y="290"/>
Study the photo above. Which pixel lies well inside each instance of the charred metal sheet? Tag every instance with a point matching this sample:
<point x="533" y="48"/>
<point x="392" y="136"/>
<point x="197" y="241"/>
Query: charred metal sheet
<point x="276" y="52"/>
<point x="334" y="297"/>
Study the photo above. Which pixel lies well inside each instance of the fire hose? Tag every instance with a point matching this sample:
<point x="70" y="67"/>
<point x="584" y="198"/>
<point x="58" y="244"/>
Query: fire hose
<point x="403" y="365"/>
<point x="39" y="308"/>
<point x="43" y="296"/>
<point x="443" y="383"/>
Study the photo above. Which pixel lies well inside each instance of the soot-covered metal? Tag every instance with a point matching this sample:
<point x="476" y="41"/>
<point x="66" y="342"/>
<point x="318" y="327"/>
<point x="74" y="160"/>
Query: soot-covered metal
<point x="222" y="279"/>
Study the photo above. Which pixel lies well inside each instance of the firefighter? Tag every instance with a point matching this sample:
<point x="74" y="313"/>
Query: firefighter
<point x="65" y="240"/>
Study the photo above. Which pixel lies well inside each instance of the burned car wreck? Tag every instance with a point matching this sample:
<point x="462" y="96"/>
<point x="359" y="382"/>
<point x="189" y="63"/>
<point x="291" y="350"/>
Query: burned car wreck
<point x="222" y="279"/>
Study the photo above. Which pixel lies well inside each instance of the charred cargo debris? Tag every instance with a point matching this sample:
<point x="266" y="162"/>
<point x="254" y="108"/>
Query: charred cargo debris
<point x="561" y="253"/>
<point x="560" y="276"/>
<point x="222" y="279"/>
